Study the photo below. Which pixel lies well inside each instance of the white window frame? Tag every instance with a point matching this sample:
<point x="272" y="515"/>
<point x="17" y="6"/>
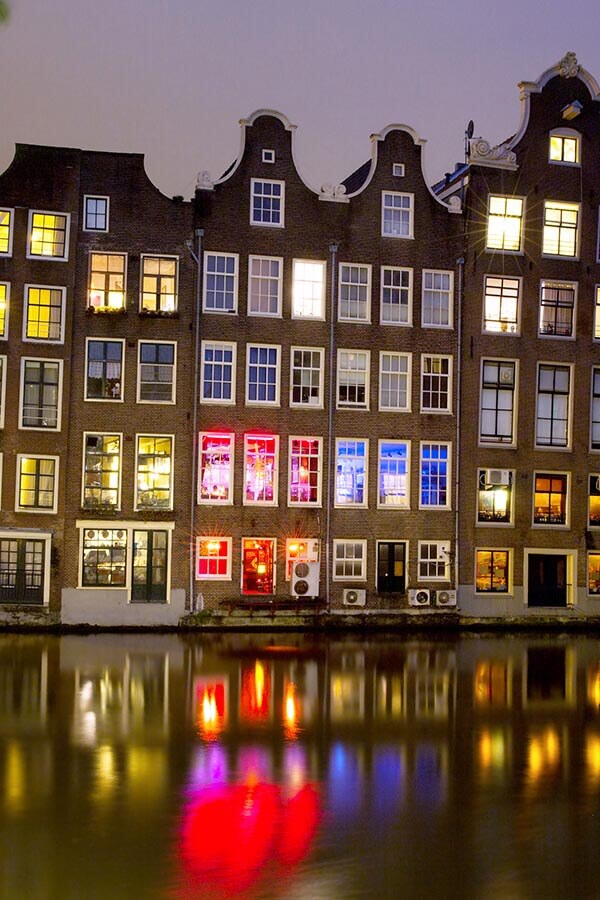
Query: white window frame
<point x="275" y="480"/>
<point x="442" y="551"/>
<point x="259" y="539"/>
<point x="47" y="257"/>
<point x="173" y="399"/>
<point x="136" y="504"/>
<point x="312" y="300"/>
<point x="411" y="214"/>
<point x="268" y="156"/>
<point x="340" y="383"/>
<point x="221" y="539"/>
<point x="554" y="365"/>
<point x="107" y="307"/>
<point x="161" y="256"/>
<point x="506" y="327"/>
<point x="448" y="476"/>
<point x="337" y="546"/>
<point x="397" y="290"/>
<point x="106" y="199"/>
<point x="365" y="500"/>
<point x="35" y="510"/>
<point x="565" y="134"/>
<point x="592" y="594"/>
<point x="449" y="380"/>
<point x="440" y="292"/>
<point x="398" y="170"/>
<point x="270" y="259"/>
<point x="596" y="324"/>
<point x="253" y="184"/>
<point x="46" y="537"/>
<point x="4" y="336"/>
<point x="86" y="435"/>
<point x="596" y="476"/>
<point x="405" y="503"/>
<point x="509" y="571"/>
<point x="595" y="421"/>
<point x="42" y="359"/>
<point x="491" y="248"/>
<point x="481" y="487"/>
<point x="104" y="340"/>
<point x="44" y="287"/>
<point x="234" y="275"/>
<point x="229" y="345"/>
<point x="497" y="387"/>
<point x="319" y="457"/>
<point x="211" y="501"/>
<point x="11" y="229"/>
<point x="3" y="366"/>
<point x="390" y="354"/>
<point x="551" y="473"/>
<point x="276" y="367"/>
<point x="321" y="352"/>
<point x="346" y="287"/>
<point x="558" y="284"/>
<point x="564" y="206"/>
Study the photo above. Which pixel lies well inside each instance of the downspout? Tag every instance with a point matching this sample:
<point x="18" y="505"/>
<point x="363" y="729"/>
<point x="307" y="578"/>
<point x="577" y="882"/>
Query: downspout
<point x="460" y="262"/>
<point x="198" y="260"/>
<point x="333" y="249"/>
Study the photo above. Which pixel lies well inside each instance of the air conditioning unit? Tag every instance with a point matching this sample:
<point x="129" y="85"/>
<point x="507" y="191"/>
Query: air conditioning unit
<point x="445" y="598"/>
<point x="354" y="597"/>
<point x="305" y="579"/>
<point x="419" y="597"/>
<point x="497" y="477"/>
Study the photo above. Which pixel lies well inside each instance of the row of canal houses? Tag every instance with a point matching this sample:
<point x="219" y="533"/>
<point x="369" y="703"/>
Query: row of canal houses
<point x="377" y="397"/>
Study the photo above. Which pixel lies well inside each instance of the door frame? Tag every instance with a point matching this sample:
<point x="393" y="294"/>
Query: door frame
<point x="571" y="574"/>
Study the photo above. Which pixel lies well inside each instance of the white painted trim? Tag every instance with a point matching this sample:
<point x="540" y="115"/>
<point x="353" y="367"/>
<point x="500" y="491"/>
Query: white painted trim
<point x="395" y="507"/>
<point x="87" y="197"/>
<point x="352" y="265"/>
<point x="509" y="592"/>
<point x="507" y="333"/>
<point x="221" y="434"/>
<point x="233" y="346"/>
<point x="4" y="337"/>
<point x="539" y="471"/>
<point x="32" y="534"/>
<point x="313" y="262"/>
<point x="446" y="546"/>
<point x="504" y="445"/>
<point x="104" y="340"/>
<point x="571" y="574"/>
<point x="410" y="290"/>
<point x="396" y="409"/>
<point x="448" y="504"/>
<point x="87" y="434"/>
<point x="555" y="364"/>
<point x="450" y="377"/>
<point x="365" y="500"/>
<point x="173" y="400"/>
<point x="236" y="275"/>
<point x="136" y="505"/>
<point x="449" y="292"/>
<point x="167" y="256"/>
<point x="273" y="542"/>
<point x="3" y="367"/>
<point x="214" y="537"/>
<point x="352" y="578"/>
<point x="44" y="287"/>
<point x="11" y="229"/>
<point x="252" y="436"/>
<point x="367" y="370"/>
<point x="278" y="259"/>
<point x="308" y="503"/>
<point x="321" y="352"/>
<point x="261" y="224"/>
<point x="486" y="523"/>
<point x="567" y="284"/>
<point x="48" y="212"/>
<point x="251" y="345"/>
<point x="43" y="359"/>
<point x="110" y="310"/>
<point x="36" y="510"/>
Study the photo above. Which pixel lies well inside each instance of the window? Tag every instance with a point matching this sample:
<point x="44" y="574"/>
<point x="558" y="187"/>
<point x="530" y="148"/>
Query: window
<point x="213" y="558"/>
<point x="24" y="568"/>
<point x="4" y="298"/>
<point x="268" y="156"/>
<point x="594" y="501"/>
<point x="156" y="372"/>
<point x="436" y="383"/>
<point x="564" y="146"/>
<point x="437" y="299"/>
<point x="215" y="470"/>
<point x="37" y="479"/>
<point x="261" y="454"/>
<point x="497" y="404"/>
<point x="306" y="382"/>
<point x="154" y="472"/>
<point x="308" y="289"/>
<point x="41" y="386"/>
<point x="220" y="282"/>
<point x="44" y="313"/>
<point x="304" y="482"/>
<point x="104" y="557"/>
<point x="595" y="412"/>
<point x="351" y="472"/>
<point x="552" y="427"/>
<point x="258" y="566"/>
<point x="394" y="381"/>
<point x="593" y="573"/>
<point x="267" y="205"/>
<point x="107" y="281"/>
<point x="492" y="571"/>
<point x="435" y="476"/>
<point x="550" y="505"/>
<point x="557" y="308"/>
<point x="48" y="236"/>
<point x="264" y="285"/>
<point x="95" y="213"/>
<point x="354" y="293"/>
<point x="393" y="475"/>
<point x="104" y="368"/>
<point x="2" y="389"/>
<point x="495" y="497"/>
<point x="434" y="560"/>
<point x="597" y="314"/>
<point x="150" y="554"/>
<point x="127" y="558"/>
<point x="396" y="296"/>
<point x="262" y="381"/>
<point x="349" y="560"/>
<point x="6" y="231"/>
<point x="218" y="372"/>
<point x="561" y="222"/>
<point x="397" y="214"/>
<point x="505" y="222"/>
<point x="159" y="277"/>
<point x="398" y="170"/>
<point x="501" y="304"/>
<point x="101" y="471"/>
<point x="353" y="379"/>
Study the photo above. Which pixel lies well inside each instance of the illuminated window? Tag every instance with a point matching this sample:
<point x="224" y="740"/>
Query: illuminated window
<point x="494" y="497"/>
<point x="497" y="404"/>
<point x="394" y="381"/>
<point x="492" y="685"/>
<point x="353" y="379"/>
<point x="435" y="476"/>
<point x="6" y="231"/>
<point x="393" y="475"/>
<point x="396" y="296"/>
<point x="595" y="411"/>
<point x="397" y="211"/>
<point x="594" y="501"/>
<point x="354" y="293"/>
<point x="101" y="470"/>
<point x="267" y="203"/>
<point x="351" y="472"/>
<point x="258" y="570"/>
<point x="492" y="571"/>
<point x="564" y="146"/>
<point x="95" y="213"/>
<point x="107" y="281"/>
<point x="306" y="381"/>
<point x="304" y="471"/>
<point x="434" y="560"/>
<point x="4" y="298"/>
<point x="262" y="377"/>
<point x="593" y="573"/>
<point x="215" y="471"/>
<point x="436" y="383"/>
<point x="150" y="553"/>
<point x="261" y="455"/>
<point x="104" y="557"/>
<point x="349" y="560"/>
<point x="37" y="479"/>
<point x="597" y="314"/>
<point x="557" y="308"/>
<point x="308" y="289"/>
<point x="2" y="389"/>
<point x="550" y="499"/>
<point x="264" y="285"/>
<point x="44" y="313"/>
<point x="213" y="558"/>
<point x="553" y="406"/>
<point x="104" y="367"/>
<point x="561" y="223"/>
<point x="156" y="372"/>
<point x="159" y="283"/>
<point x="501" y="304"/>
<point x="436" y="311"/>
<point x="154" y="472"/>
<point x="220" y="282"/>
<point x="505" y="223"/>
<point x="218" y="372"/>
<point x="48" y="235"/>
<point x="40" y="394"/>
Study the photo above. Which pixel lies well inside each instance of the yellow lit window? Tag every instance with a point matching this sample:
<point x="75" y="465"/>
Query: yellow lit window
<point x="107" y="281"/>
<point x="491" y="575"/>
<point x="159" y="284"/>
<point x="3" y="305"/>
<point x="504" y="227"/>
<point x="564" y="148"/>
<point x="308" y="290"/>
<point x="36" y="481"/>
<point x="102" y="465"/>
<point x="44" y="314"/>
<point x="5" y="231"/>
<point x="561" y="222"/>
<point x="154" y="468"/>
<point x="48" y="235"/>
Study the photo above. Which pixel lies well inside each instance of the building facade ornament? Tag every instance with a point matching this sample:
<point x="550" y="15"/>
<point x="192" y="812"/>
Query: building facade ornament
<point x="498" y="157"/>
<point x="204" y="182"/>
<point x="568" y="67"/>
<point x="455" y="204"/>
<point x="334" y="192"/>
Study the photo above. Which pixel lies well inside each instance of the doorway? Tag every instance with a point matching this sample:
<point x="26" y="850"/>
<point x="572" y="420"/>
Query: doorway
<point x="547" y="579"/>
<point x="391" y="567"/>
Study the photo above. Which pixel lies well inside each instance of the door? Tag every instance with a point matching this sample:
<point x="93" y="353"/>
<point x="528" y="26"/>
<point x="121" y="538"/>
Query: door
<point x="21" y="571"/>
<point x="547" y="579"/>
<point x="258" y="566"/>
<point x="149" y="582"/>
<point x="391" y="567"/>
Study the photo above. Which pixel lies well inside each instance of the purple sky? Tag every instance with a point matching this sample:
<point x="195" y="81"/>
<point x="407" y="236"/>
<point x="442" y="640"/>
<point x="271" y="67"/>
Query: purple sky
<point x="173" y="79"/>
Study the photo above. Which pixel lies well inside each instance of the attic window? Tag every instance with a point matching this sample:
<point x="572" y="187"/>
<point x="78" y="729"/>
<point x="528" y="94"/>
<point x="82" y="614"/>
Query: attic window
<point x="398" y="170"/>
<point x="565" y="147"/>
<point x="268" y="156"/>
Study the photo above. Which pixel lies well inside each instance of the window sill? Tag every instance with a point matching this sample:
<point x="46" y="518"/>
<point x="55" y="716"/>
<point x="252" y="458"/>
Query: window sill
<point x="105" y="311"/>
<point x="159" y="314"/>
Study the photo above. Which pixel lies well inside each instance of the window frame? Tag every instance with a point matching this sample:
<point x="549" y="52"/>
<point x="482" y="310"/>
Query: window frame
<point x="443" y="547"/>
<point x="589" y="593"/>
<point x="564" y="206"/>
<point x="593" y="526"/>
<point x="3" y="367"/>
<point x="45" y="256"/>
<point x="249" y="436"/>
<point x="498" y="387"/>
<point x="596" y="322"/>
<point x="492" y="249"/>
<point x="293" y="368"/>
<point x="218" y="254"/>
<point x="347" y="405"/>
<point x="106" y="199"/>
<point x="103" y="340"/>
<point x="84" y="471"/>
<point x="557" y="285"/>
<point x="104" y="308"/>
<point x="405" y="504"/>
<point x="267" y="366"/>
<point x="40" y="536"/>
<point x="59" y="390"/>
<point x="169" y="257"/>
<point x="4" y="332"/>
<point x="366" y="320"/>
<point x="430" y="410"/>
<point x="447" y="475"/>
<point x="11" y="228"/>
<point x="37" y="510"/>
<point x="411" y="214"/>
<point x="481" y="488"/>
<point x="208" y="539"/>
<point x="129" y="527"/>
<point x="139" y="399"/>
<point x="353" y="504"/>
<point x="593" y="421"/>
<point x="509" y="551"/>
<point x="202" y="452"/>
<point x="253" y="194"/>
<point x="63" y="297"/>
<point x="508" y="331"/>
<point x="400" y="355"/>
<point x="311" y="317"/>
<point x="565" y="134"/>
<point x="438" y="291"/>
<point x="337" y="544"/>
<point x="317" y="502"/>
<point x="550" y="445"/>
<point x="231" y="345"/>
<point x="253" y="257"/>
<point x="408" y="270"/>
<point x="566" y="479"/>
<point x="153" y="507"/>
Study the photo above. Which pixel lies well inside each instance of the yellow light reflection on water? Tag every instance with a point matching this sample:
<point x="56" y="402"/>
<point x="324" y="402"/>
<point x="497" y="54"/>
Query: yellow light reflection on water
<point x="543" y="755"/>
<point x="592" y="758"/>
<point x="14" y="779"/>
<point x="146" y="773"/>
<point x="105" y="774"/>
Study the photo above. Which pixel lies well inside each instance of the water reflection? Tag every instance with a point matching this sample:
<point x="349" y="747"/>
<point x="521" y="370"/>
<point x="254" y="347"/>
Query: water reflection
<point x="166" y="766"/>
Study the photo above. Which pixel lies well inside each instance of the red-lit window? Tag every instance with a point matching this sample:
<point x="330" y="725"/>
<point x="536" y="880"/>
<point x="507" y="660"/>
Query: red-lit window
<point x="213" y="557"/>
<point x="305" y="470"/>
<point x="260" y="468"/>
<point x="258" y="565"/>
<point x="215" y="476"/>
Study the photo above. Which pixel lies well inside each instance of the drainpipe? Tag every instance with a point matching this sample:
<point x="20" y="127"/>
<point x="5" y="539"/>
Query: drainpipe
<point x="333" y="249"/>
<point x="198" y="260"/>
<point x="460" y="262"/>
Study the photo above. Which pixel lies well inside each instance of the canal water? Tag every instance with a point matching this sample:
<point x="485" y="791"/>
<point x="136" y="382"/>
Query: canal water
<point x="293" y="766"/>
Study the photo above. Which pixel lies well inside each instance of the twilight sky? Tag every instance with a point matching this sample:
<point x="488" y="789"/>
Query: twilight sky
<point x="172" y="80"/>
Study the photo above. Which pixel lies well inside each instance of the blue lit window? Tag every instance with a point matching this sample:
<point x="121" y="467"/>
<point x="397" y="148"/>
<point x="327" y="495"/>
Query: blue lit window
<point x="267" y="203"/>
<point x="262" y="384"/>
<point x="220" y="282"/>
<point x="351" y="468"/>
<point x="435" y="475"/>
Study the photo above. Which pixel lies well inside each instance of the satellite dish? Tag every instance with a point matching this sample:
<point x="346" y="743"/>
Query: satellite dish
<point x="470" y="129"/>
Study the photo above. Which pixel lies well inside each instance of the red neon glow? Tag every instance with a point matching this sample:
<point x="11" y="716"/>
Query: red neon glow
<point x="210" y="708"/>
<point x="255" y="700"/>
<point x="291" y="711"/>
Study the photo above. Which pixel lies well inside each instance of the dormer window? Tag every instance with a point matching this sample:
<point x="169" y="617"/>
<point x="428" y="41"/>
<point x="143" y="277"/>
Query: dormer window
<point x="268" y="156"/>
<point x="565" y="145"/>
